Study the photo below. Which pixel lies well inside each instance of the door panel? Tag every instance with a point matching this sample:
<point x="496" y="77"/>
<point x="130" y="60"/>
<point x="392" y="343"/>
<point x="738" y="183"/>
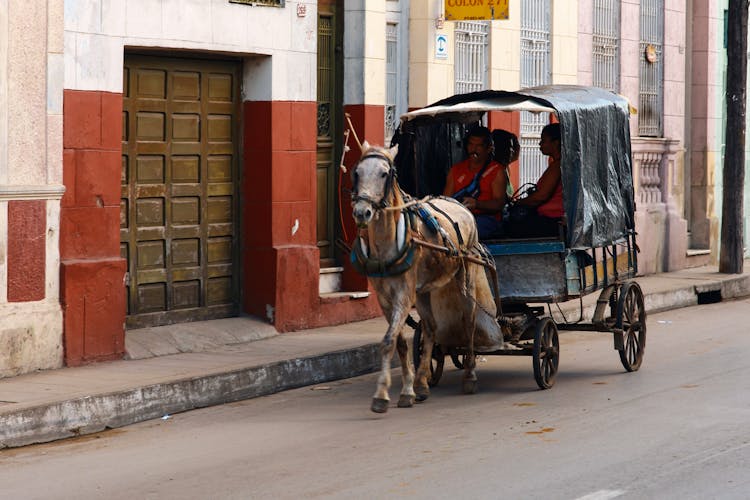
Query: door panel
<point x="179" y="189"/>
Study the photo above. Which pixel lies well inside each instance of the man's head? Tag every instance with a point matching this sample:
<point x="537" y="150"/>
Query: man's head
<point x="479" y="146"/>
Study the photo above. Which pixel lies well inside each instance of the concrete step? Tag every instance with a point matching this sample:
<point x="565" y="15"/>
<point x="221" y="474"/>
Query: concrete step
<point x="344" y="295"/>
<point x="697" y="257"/>
<point x="330" y="280"/>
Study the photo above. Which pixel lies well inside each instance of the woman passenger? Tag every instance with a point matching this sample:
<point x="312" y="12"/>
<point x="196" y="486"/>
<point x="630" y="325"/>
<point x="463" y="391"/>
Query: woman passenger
<point x="546" y="202"/>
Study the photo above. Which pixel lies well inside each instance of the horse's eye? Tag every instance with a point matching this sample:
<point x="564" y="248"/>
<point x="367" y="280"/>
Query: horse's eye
<point x="383" y="174"/>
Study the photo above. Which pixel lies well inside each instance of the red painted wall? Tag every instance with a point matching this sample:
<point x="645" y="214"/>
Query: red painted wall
<point x="27" y="229"/>
<point x="92" y="290"/>
<point x="278" y="184"/>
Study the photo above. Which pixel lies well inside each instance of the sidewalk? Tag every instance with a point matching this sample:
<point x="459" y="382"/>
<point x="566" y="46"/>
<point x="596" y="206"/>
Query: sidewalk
<point x="194" y="365"/>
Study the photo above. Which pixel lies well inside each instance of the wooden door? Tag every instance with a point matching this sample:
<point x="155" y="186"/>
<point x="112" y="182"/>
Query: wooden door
<point x="330" y="115"/>
<point x="178" y="226"/>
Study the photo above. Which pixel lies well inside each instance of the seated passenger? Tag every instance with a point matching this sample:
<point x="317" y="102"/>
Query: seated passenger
<point x="507" y="150"/>
<point x="545" y="204"/>
<point x="480" y="183"/>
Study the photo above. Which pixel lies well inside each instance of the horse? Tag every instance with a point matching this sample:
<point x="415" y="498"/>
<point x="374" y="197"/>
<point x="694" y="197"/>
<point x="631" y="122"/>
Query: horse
<point x="424" y="254"/>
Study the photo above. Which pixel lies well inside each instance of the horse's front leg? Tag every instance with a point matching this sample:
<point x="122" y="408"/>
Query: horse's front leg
<point x="397" y="318"/>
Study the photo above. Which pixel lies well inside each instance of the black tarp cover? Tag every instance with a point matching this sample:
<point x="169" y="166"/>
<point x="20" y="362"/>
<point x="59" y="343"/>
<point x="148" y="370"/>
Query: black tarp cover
<point x="596" y="159"/>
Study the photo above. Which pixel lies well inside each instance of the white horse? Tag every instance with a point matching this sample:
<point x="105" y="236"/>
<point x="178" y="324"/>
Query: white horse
<point x="424" y="254"/>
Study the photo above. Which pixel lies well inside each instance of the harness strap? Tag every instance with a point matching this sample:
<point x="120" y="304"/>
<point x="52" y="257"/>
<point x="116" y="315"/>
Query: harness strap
<point x="376" y="268"/>
<point x="453" y="223"/>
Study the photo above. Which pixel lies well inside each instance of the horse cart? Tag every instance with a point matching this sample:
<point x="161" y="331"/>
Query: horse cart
<point x="596" y="247"/>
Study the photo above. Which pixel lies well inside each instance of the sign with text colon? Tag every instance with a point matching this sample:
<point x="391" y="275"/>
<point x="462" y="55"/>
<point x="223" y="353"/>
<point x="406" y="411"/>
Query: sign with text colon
<point x="476" y="10"/>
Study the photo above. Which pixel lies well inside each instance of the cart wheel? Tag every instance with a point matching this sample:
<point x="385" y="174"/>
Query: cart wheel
<point x="546" y="353"/>
<point x="438" y="357"/>
<point x="631" y="317"/>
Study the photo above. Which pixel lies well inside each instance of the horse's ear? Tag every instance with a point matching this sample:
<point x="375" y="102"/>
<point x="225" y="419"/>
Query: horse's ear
<point x="393" y="151"/>
<point x="365" y="146"/>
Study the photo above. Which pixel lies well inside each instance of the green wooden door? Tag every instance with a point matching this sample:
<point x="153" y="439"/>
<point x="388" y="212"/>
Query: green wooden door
<point x="178" y="227"/>
<point x="330" y="114"/>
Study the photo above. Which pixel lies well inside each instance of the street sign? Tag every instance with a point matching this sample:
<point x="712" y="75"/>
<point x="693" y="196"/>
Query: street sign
<point x="476" y="10"/>
<point x="441" y="46"/>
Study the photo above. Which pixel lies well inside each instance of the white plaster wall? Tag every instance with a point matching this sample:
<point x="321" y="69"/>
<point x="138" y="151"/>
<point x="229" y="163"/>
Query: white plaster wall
<point x="374" y="55"/>
<point x="585" y="42"/>
<point x="564" y="43"/>
<point x="364" y="52"/>
<point x="630" y="55"/>
<point x="505" y="50"/>
<point x="98" y="31"/>
<point x="29" y="345"/>
<point x="27" y="90"/>
<point x="31" y="83"/>
<point x="674" y="69"/>
<point x="354" y="50"/>
<point x="430" y="79"/>
<point x="3" y="98"/>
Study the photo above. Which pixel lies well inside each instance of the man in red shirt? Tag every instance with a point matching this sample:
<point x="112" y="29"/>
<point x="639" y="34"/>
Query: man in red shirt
<point x="480" y="183"/>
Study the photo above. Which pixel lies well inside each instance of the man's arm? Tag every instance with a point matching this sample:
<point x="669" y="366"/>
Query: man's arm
<point x="449" y="190"/>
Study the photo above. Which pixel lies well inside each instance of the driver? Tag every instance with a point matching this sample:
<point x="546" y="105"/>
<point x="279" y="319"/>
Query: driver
<point x="479" y="182"/>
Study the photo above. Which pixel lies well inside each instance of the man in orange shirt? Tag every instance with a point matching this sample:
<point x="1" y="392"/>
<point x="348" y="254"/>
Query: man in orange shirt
<point x="480" y="183"/>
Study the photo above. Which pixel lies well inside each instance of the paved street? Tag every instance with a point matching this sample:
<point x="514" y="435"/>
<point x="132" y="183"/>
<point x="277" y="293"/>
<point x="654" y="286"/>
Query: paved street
<point x="675" y="429"/>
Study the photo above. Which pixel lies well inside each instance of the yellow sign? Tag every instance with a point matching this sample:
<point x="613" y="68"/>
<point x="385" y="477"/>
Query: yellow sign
<point x="475" y="10"/>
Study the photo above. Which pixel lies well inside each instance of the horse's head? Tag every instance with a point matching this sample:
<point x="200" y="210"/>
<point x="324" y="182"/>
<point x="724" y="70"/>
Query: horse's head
<point x="373" y="180"/>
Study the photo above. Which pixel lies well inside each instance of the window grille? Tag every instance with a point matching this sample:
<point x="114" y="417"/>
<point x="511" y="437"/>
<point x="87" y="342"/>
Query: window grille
<point x="391" y="80"/>
<point x="472" y="46"/>
<point x="325" y="74"/>
<point x="651" y="85"/>
<point x="535" y="70"/>
<point x="606" y="44"/>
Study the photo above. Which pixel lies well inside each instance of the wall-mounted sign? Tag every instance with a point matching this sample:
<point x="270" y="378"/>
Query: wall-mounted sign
<point x="269" y="3"/>
<point x="441" y="46"/>
<point x="476" y="10"/>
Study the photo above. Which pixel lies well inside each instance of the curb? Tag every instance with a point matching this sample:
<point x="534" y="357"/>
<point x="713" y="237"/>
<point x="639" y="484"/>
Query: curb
<point x="95" y="413"/>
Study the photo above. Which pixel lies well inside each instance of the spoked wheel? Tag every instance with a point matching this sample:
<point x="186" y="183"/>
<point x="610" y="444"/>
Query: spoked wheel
<point x="436" y="363"/>
<point x="631" y="318"/>
<point x="546" y="353"/>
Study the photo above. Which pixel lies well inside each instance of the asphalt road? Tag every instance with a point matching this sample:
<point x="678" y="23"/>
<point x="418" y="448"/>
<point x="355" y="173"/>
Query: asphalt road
<point x="676" y="429"/>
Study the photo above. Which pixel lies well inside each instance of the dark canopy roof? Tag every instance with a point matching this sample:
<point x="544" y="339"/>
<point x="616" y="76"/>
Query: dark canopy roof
<point x="596" y="160"/>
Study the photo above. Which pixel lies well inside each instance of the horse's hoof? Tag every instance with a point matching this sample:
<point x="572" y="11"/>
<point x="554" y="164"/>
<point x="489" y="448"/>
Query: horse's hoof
<point x="405" y="401"/>
<point x="422" y="393"/>
<point x="469" y="387"/>
<point x="422" y="397"/>
<point x="379" y="405"/>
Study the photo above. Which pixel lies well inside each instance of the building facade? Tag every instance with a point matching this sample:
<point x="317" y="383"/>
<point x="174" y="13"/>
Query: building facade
<point x="170" y="161"/>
